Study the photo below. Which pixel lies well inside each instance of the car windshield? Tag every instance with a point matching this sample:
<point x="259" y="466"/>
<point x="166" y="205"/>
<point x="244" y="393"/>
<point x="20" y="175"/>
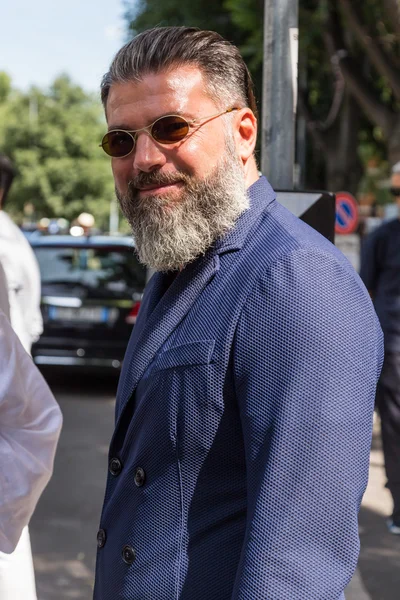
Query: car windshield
<point x="115" y="268"/>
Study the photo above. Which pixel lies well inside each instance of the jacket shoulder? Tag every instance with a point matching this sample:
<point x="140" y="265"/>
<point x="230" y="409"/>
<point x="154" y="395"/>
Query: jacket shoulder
<point x="280" y="235"/>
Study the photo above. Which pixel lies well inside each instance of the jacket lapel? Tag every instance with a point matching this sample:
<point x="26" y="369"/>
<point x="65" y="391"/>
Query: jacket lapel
<point x="161" y="315"/>
<point x="152" y="295"/>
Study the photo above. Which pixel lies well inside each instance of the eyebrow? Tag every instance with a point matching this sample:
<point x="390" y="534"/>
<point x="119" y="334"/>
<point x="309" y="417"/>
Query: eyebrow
<point x="126" y="127"/>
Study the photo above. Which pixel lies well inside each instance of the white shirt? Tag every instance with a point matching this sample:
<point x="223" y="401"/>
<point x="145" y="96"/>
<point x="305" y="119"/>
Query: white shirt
<point x="30" y="424"/>
<point x="4" y="303"/>
<point x="23" y="277"/>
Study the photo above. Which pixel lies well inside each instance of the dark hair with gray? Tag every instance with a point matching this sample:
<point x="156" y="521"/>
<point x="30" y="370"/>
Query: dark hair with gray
<point x="7" y="174"/>
<point x="226" y="75"/>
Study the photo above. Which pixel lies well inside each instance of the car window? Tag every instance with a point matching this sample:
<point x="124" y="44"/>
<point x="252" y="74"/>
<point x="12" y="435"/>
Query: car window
<point x="114" y="268"/>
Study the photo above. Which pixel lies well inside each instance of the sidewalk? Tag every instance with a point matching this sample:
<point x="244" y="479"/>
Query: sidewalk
<point x="356" y="589"/>
<point x="378" y="573"/>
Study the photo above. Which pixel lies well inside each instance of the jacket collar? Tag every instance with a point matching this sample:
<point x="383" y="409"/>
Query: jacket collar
<point x="261" y="195"/>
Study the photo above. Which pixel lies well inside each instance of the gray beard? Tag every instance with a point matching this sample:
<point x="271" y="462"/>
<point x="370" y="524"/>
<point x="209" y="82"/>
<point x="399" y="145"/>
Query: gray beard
<point x="170" y="232"/>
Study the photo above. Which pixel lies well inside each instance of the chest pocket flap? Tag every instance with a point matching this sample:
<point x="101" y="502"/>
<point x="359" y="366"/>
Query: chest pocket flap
<point x="186" y="355"/>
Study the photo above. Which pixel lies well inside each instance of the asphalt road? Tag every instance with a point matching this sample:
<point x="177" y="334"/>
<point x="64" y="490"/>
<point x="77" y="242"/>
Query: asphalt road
<point x="64" y="526"/>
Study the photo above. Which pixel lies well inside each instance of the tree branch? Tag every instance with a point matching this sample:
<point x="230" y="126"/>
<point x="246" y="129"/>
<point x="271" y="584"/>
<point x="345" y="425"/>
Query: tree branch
<point x="312" y="125"/>
<point x="374" y="51"/>
<point x="392" y="10"/>
<point x="357" y="84"/>
<point x="337" y="102"/>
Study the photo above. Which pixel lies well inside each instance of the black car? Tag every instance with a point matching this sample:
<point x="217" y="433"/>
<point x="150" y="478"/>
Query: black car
<point x="91" y="293"/>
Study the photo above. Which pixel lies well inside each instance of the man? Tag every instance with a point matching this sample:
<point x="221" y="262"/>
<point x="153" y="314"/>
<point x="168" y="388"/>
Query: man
<point x="23" y="285"/>
<point x="244" y="410"/>
<point x="380" y="271"/>
<point x="21" y="268"/>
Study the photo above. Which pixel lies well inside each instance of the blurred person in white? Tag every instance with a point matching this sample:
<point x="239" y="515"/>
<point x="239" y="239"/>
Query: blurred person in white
<point x="4" y="303"/>
<point x="21" y="269"/>
<point x="30" y="419"/>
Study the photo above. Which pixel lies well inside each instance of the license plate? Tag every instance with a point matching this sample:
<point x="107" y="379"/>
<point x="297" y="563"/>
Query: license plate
<point x="85" y="314"/>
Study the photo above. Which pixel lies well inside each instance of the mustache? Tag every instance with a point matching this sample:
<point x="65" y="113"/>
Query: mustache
<point x="157" y="178"/>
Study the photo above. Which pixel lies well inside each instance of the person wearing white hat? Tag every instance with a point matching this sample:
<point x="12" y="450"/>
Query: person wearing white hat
<point x="21" y="269"/>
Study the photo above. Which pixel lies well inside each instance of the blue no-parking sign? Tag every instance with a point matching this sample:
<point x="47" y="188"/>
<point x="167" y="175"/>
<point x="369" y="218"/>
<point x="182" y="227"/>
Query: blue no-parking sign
<point x="346" y="213"/>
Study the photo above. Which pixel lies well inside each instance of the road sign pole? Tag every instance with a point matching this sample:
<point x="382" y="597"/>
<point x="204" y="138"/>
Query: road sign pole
<point x="279" y="103"/>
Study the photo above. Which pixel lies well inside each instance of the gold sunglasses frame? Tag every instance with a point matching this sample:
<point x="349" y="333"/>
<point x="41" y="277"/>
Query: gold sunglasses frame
<point x="133" y="132"/>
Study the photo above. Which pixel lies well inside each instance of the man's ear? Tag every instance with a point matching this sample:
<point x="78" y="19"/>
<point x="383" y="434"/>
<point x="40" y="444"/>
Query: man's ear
<point x="245" y="133"/>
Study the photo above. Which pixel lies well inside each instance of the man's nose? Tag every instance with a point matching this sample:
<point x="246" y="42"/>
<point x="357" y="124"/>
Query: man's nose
<point x="147" y="156"/>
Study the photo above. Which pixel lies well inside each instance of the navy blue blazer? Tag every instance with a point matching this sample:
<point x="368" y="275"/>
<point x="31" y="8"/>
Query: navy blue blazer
<point x="243" y="423"/>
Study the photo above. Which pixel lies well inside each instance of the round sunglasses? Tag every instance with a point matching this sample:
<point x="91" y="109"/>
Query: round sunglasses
<point x="395" y="191"/>
<point x="169" y="129"/>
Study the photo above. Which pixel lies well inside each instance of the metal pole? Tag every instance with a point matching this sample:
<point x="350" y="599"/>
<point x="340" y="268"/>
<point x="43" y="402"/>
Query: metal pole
<point x="279" y="91"/>
<point x="301" y="142"/>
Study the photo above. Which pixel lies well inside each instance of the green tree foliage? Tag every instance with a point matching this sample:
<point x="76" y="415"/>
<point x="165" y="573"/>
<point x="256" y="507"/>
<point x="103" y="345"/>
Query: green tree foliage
<point x="348" y="62"/>
<point x="238" y="21"/>
<point x="197" y="13"/>
<point x="52" y="137"/>
<point x="5" y="86"/>
<point x="363" y="38"/>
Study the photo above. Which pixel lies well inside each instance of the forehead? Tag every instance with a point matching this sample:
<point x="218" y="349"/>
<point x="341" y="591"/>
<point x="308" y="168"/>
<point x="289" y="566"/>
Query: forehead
<point x="180" y="90"/>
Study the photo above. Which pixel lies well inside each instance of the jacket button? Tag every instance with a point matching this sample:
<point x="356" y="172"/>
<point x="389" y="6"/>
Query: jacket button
<point x="115" y="466"/>
<point x="128" y="554"/>
<point x="140" y="477"/>
<point x="101" y="538"/>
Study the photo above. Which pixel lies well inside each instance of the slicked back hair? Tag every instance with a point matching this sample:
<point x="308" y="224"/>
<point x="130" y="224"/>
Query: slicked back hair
<point x="7" y="174"/>
<point x="226" y="76"/>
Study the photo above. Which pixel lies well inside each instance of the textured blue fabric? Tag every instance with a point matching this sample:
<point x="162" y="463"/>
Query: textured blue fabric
<point x="247" y="396"/>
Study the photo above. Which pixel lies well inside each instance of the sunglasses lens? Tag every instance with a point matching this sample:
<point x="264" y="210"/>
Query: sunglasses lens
<point x="118" y="143"/>
<point x="169" y="130"/>
<point x="395" y="191"/>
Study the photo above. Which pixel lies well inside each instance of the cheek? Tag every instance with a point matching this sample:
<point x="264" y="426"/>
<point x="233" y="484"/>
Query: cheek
<point x="201" y="155"/>
<point x="122" y="172"/>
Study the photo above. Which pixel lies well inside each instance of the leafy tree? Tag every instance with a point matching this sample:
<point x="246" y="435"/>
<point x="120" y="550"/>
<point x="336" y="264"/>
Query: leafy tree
<point x="198" y="13"/>
<point x="52" y="137"/>
<point x="237" y="21"/>
<point x="348" y="51"/>
<point x="5" y="86"/>
<point x="363" y="37"/>
<point x="334" y="121"/>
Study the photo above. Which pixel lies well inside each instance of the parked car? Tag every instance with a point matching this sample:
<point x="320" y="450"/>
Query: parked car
<point x="91" y="293"/>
